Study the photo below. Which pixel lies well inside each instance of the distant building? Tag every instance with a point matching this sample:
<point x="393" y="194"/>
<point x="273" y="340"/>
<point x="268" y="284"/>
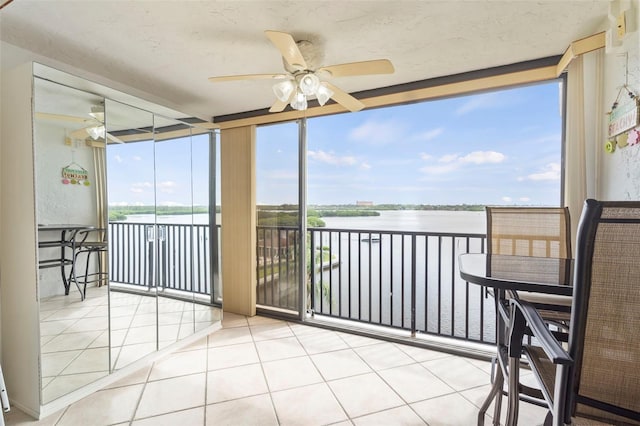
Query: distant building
<point x="364" y="203"/>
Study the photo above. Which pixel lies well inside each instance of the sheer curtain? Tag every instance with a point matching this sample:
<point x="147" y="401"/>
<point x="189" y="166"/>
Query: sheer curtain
<point x="102" y="220"/>
<point x="583" y="140"/>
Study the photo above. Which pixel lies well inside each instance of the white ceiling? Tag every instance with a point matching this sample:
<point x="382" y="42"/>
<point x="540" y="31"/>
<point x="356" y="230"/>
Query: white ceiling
<point x="170" y="48"/>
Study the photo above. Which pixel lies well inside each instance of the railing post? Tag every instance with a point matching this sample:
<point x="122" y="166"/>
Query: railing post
<point x="151" y="264"/>
<point x="311" y="266"/>
<point x="413" y="285"/>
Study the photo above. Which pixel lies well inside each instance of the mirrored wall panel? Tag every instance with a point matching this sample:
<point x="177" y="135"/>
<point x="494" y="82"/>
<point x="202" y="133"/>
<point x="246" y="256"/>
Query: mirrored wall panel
<point x="69" y="144"/>
<point x="127" y="244"/>
<point x="132" y="233"/>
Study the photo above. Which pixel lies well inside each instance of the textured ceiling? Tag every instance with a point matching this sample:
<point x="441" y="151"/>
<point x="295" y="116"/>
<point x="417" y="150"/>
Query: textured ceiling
<point x="170" y="48"/>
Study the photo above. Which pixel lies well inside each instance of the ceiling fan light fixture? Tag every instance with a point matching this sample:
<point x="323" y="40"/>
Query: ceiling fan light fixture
<point x="309" y="84"/>
<point x="95" y="132"/>
<point x="323" y="94"/>
<point x="299" y="101"/>
<point x="283" y="90"/>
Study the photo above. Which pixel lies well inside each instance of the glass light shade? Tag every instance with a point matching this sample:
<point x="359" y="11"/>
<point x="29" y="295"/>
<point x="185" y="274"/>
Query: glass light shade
<point x="299" y="101"/>
<point x="95" y="132"/>
<point x="309" y="83"/>
<point x="284" y="90"/>
<point x="323" y="94"/>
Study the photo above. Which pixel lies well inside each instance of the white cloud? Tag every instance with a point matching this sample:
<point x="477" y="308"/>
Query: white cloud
<point x="137" y="158"/>
<point x="140" y="187"/>
<point x="171" y="203"/>
<point x="550" y="172"/>
<point x="377" y="132"/>
<point x="524" y="199"/>
<point x="440" y="170"/>
<point x="331" y="158"/>
<point x="453" y="162"/>
<point x="168" y="187"/>
<point x="425" y="156"/>
<point x="506" y="199"/>
<point x="483" y="157"/>
<point x="448" y="158"/>
<point x="365" y="166"/>
<point x="486" y="100"/>
<point x="118" y="158"/>
<point x="428" y="134"/>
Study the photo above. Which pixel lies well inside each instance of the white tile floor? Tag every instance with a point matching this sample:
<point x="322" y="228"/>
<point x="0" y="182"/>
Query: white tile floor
<point x="75" y="334"/>
<point x="260" y="371"/>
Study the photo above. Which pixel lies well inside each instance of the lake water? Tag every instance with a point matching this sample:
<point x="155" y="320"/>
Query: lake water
<point x="389" y="220"/>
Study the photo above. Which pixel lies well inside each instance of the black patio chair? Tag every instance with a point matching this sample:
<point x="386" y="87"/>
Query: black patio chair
<point x="597" y="380"/>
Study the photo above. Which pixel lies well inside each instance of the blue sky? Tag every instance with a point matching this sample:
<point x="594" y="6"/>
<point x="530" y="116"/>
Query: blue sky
<point x="130" y="172"/>
<point x="493" y="148"/>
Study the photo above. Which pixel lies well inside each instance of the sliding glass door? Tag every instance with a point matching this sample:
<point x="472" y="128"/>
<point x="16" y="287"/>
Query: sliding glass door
<point x="279" y="219"/>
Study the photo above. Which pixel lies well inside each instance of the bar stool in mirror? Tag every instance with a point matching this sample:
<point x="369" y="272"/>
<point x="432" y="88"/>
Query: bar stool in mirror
<point x="87" y="245"/>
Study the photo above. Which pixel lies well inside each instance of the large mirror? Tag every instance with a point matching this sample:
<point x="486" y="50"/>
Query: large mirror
<point x="174" y="216"/>
<point x="182" y="213"/>
<point x="127" y="244"/>
<point x="133" y="265"/>
<point x="69" y="166"/>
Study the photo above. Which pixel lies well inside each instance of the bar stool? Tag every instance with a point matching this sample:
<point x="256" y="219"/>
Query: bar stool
<point x="83" y="245"/>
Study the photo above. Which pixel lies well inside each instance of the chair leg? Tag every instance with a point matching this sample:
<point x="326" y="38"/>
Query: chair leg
<point x="86" y="274"/>
<point x="494" y="394"/>
<point x="514" y="391"/>
<point x="74" y="274"/>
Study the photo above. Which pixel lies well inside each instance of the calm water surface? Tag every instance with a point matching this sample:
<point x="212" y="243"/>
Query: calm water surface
<point x="389" y="220"/>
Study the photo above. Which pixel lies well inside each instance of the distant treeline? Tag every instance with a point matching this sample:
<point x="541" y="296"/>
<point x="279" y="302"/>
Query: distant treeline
<point x="287" y="214"/>
<point x="121" y="213"/>
<point x="281" y="217"/>
<point x="450" y="207"/>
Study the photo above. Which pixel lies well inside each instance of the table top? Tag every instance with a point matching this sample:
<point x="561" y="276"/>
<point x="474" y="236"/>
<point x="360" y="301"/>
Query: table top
<point x="64" y="227"/>
<point x="519" y="273"/>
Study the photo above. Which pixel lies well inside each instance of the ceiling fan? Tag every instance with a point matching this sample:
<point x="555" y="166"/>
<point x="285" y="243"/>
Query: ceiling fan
<point x="301" y="82"/>
<point x="94" y="129"/>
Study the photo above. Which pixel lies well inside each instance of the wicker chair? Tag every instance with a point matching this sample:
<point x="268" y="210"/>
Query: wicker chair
<point x="532" y="232"/>
<point x="529" y="231"/>
<point x="598" y="380"/>
<point x="537" y="232"/>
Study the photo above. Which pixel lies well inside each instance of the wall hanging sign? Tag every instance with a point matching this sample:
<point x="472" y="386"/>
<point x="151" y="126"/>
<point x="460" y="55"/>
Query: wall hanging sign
<point x="624" y="114"/>
<point x="75" y="174"/>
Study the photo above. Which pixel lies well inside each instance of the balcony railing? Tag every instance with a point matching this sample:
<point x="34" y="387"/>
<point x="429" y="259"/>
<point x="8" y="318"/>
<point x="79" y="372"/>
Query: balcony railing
<point x="404" y="280"/>
<point x="182" y="261"/>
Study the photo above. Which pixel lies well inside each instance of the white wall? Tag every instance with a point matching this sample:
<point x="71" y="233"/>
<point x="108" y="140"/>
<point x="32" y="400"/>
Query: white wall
<point x="619" y="173"/>
<point x="20" y="326"/>
<point x="57" y="203"/>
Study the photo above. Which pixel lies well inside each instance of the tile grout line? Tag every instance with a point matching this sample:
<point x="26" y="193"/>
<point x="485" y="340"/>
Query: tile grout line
<point x="144" y="387"/>
<point x="206" y="381"/>
<point x="264" y="375"/>
<point x="324" y="379"/>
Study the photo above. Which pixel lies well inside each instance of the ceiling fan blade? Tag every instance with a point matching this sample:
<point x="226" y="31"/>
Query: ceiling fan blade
<point x="247" y="77"/>
<point x="113" y="138"/>
<point x="345" y="99"/>
<point x="79" y="134"/>
<point x="61" y="117"/>
<point x="378" y="66"/>
<point x="278" y="106"/>
<point x="288" y="48"/>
